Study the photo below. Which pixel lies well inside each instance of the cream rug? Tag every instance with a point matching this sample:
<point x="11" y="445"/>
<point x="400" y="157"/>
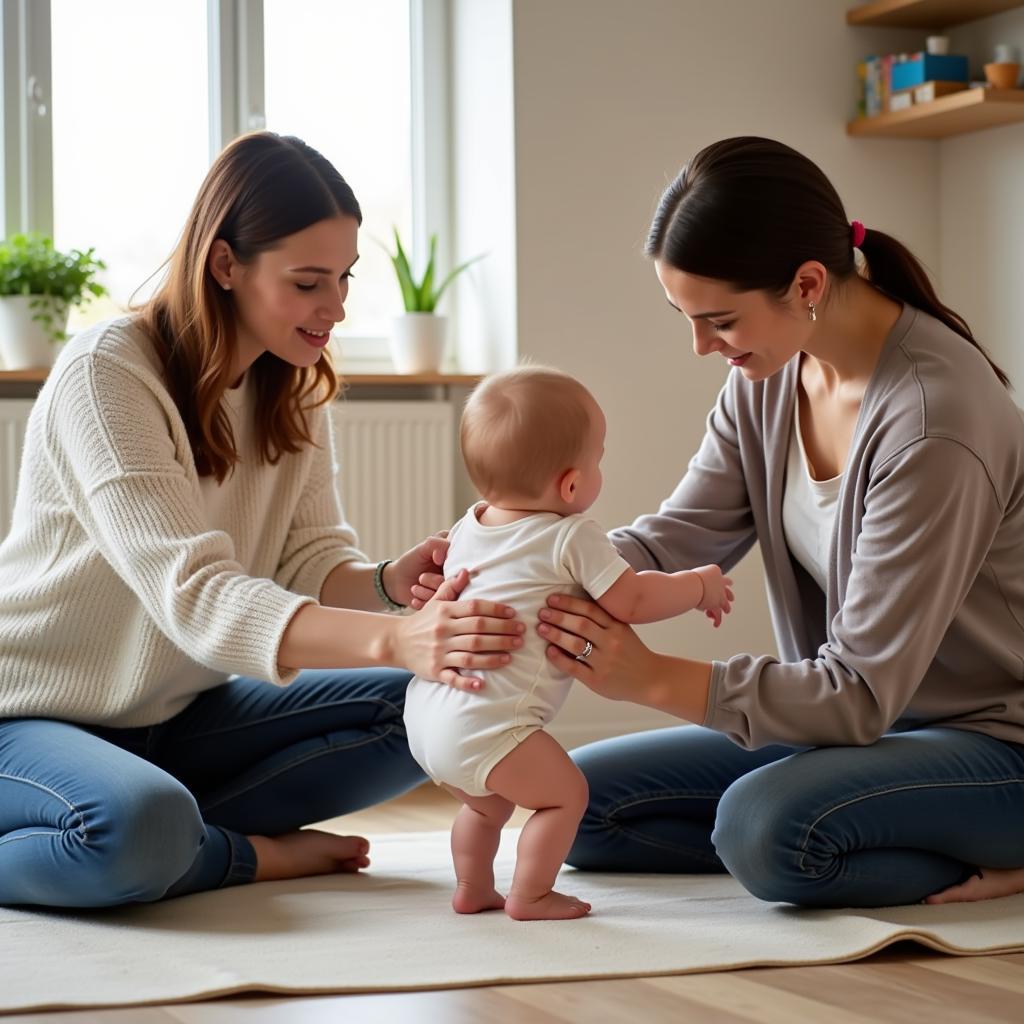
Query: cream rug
<point x="392" y="929"/>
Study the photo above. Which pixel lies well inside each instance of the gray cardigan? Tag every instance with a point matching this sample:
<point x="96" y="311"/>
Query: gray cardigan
<point x="923" y="619"/>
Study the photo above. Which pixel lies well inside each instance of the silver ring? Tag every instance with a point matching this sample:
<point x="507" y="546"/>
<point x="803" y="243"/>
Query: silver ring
<point x="587" y="651"/>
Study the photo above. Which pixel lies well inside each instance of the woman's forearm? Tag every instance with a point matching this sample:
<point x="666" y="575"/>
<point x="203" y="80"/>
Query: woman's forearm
<point x="678" y="686"/>
<point x="319" y="637"/>
<point x="350" y="585"/>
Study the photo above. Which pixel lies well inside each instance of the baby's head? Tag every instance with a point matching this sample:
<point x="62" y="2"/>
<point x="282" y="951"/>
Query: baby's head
<point x="533" y="438"/>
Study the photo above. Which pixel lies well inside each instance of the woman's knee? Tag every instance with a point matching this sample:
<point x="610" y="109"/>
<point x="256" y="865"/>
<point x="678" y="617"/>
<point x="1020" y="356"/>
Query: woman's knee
<point x="596" y="829"/>
<point x="149" y="837"/>
<point x="757" y="836"/>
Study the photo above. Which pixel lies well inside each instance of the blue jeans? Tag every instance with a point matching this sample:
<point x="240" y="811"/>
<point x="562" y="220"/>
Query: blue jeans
<point x="93" y="817"/>
<point x="871" y="826"/>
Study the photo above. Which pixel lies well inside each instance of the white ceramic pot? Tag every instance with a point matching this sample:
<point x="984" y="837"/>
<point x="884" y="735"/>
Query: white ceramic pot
<point x="25" y="344"/>
<point x="417" y="342"/>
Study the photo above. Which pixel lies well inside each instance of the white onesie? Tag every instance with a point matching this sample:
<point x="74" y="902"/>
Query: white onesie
<point x="458" y="737"/>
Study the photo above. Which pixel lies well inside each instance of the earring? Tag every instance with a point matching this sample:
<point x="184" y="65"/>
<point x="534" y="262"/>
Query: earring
<point x="811" y="313"/>
<point x="226" y="287"/>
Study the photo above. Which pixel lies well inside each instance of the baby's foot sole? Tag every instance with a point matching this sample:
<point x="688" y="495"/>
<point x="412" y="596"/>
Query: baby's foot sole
<point x="469" y="899"/>
<point x="552" y="906"/>
<point x="992" y="884"/>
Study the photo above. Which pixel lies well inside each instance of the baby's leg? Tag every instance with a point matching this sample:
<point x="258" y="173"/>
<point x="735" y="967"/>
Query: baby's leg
<point x="540" y="775"/>
<point x="475" y="837"/>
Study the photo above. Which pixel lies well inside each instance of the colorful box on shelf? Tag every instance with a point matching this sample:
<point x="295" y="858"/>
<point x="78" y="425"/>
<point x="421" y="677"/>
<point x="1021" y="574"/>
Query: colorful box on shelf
<point x="933" y="90"/>
<point x="919" y="68"/>
<point x="923" y="93"/>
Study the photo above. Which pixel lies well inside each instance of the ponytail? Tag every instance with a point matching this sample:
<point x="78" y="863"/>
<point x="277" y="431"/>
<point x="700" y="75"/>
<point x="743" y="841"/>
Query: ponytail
<point x="894" y="269"/>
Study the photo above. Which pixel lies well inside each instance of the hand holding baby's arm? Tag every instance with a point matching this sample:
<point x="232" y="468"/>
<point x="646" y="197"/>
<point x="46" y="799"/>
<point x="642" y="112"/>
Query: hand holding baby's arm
<point x="651" y="596"/>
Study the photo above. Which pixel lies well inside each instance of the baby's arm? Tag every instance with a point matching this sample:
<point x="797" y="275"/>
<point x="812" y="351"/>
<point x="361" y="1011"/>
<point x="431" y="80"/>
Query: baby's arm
<point x="651" y="596"/>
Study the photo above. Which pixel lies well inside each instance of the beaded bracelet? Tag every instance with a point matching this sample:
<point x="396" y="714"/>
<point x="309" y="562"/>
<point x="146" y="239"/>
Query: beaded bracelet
<point x="378" y="584"/>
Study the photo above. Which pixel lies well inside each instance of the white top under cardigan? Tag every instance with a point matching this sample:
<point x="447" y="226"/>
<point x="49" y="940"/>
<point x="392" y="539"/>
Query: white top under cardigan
<point x="127" y="584"/>
<point x="808" y="508"/>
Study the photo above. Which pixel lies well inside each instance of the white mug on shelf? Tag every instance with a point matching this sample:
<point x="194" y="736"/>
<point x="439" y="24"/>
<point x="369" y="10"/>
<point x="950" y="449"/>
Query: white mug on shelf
<point x="937" y="45"/>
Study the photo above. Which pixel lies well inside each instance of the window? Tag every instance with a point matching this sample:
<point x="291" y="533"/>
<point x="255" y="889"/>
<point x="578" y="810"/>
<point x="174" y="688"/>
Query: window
<point x="130" y="150"/>
<point x="145" y="94"/>
<point x="337" y="75"/>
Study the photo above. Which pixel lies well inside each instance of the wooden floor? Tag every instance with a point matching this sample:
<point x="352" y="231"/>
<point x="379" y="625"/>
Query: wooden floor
<point x="903" y="984"/>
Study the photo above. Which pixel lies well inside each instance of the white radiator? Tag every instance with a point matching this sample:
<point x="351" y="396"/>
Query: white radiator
<point x="397" y="464"/>
<point x="13" y="420"/>
<point x="396" y="471"/>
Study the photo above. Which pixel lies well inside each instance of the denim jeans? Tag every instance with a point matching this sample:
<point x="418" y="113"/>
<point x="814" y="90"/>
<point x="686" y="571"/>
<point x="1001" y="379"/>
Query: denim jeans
<point x="870" y="826"/>
<point x="93" y="817"/>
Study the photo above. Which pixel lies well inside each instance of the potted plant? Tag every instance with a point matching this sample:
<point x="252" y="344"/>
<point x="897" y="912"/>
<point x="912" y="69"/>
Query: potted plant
<point x="38" y="286"/>
<point x="418" y="338"/>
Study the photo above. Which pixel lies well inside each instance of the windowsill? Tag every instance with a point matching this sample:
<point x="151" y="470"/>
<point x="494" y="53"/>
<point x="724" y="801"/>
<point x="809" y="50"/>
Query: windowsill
<point x="25" y="383"/>
<point x="355" y="380"/>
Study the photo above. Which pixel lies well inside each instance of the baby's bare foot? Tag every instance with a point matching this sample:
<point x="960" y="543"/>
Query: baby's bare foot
<point x="307" y="852"/>
<point x="472" y="899"/>
<point x="552" y="906"/>
<point x="993" y="883"/>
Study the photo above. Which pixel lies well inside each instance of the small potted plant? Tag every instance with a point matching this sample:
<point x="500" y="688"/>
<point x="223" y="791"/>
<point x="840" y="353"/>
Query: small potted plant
<point x="418" y="338"/>
<point x="38" y="286"/>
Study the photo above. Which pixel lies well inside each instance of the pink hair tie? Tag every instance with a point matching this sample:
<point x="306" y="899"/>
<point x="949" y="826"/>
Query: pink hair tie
<point x="859" y="231"/>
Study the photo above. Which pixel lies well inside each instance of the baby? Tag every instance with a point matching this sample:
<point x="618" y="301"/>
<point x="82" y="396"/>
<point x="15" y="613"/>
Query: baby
<point x="532" y="440"/>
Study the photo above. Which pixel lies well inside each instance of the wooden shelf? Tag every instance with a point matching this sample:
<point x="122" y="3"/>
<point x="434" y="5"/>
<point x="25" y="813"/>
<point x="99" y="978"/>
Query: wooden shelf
<point x="967" y="111"/>
<point x="926" y="14"/>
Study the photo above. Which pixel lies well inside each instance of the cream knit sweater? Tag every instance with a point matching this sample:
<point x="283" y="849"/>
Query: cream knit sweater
<point x="127" y="584"/>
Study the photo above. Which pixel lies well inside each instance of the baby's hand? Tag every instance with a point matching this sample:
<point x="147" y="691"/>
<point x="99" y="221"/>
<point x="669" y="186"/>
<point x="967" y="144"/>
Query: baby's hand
<point x="718" y="595"/>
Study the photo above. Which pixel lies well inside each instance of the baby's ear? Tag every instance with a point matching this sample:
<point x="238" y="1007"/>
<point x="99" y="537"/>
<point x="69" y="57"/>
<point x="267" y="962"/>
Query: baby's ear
<point x="567" y="485"/>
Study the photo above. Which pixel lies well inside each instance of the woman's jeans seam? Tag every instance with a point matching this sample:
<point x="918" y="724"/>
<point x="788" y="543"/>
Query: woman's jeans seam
<point x="83" y="830"/>
<point x="281" y="769"/>
<point x="31" y="835"/>
<point x="639" y="837"/>
<point x="805" y="842"/>
<point x="289" y="714"/>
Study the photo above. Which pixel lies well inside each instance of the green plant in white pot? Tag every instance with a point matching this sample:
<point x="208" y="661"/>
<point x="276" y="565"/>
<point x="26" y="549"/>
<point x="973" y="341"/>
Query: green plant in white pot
<point x="418" y="338"/>
<point x="38" y="286"/>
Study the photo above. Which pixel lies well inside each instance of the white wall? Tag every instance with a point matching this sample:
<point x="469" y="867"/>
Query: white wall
<point x="482" y="185"/>
<point x="610" y="99"/>
<point x="981" y="213"/>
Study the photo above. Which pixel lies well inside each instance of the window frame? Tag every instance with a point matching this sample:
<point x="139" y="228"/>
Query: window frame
<point x="236" y="105"/>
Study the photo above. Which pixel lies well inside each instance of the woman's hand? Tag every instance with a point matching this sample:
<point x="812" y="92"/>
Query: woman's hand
<point x="402" y="575"/>
<point x="617" y="664"/>
<point x="449" y="638"/>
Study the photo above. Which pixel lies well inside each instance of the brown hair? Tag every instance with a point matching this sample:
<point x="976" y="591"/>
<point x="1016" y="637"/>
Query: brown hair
<point x="750" y="211"/>
<point x="261" y="188"/>
<point x="521" y="428"/>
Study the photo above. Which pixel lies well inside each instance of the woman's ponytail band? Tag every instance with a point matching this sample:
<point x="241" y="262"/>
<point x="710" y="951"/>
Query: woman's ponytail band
<point x="859" y="231"/>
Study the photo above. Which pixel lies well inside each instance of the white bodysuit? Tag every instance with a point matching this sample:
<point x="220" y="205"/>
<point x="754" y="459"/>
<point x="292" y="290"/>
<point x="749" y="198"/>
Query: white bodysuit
<point x="458" y="737"/>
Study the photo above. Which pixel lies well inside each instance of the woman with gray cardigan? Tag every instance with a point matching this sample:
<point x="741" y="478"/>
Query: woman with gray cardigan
<point x="869" y="446"/>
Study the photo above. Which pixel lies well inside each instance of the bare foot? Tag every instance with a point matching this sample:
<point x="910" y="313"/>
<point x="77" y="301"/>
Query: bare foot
<point x="307" y="852"/>
<point x="993" y="883"/>
<point x="471" y="899"/>
<point x="552" y="906"/>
